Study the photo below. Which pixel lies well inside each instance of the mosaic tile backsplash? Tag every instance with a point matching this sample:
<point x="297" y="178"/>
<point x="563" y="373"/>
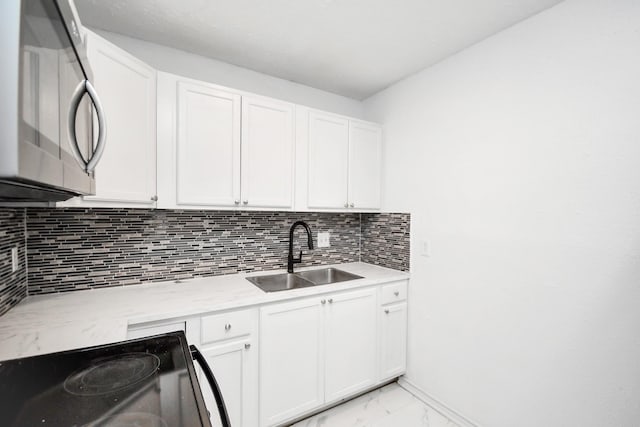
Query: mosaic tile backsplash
<point x="13" y="285"/>
<point x="70" y="249"/>
<point x="73" y="249"/>
<point x="385" y="240"/>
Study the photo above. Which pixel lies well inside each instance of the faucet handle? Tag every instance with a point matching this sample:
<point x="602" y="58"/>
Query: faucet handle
<point x="300" y="257"/>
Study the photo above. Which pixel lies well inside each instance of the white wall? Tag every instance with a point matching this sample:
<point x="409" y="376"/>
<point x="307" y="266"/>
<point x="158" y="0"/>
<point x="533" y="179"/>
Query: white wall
<point x="520" y="162"/>
<point x="199" y="67"/>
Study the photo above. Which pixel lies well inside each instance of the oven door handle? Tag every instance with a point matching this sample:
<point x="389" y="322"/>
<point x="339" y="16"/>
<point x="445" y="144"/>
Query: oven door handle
<point x="222" y="409"/>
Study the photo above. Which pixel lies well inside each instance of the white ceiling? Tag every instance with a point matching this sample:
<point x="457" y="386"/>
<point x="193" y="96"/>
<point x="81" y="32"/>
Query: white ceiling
<point x="353" y="48"/>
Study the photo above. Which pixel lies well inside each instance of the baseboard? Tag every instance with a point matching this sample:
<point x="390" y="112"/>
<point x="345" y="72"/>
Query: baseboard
<point x="337" y="403"/>
<point x="436" y="404"/>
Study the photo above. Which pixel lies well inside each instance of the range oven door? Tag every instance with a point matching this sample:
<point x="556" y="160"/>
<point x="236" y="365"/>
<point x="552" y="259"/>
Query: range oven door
<point x="56" y="132"/>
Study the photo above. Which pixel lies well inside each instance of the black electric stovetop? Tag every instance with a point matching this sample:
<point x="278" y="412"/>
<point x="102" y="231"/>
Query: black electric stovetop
<point x="147" y="382"/>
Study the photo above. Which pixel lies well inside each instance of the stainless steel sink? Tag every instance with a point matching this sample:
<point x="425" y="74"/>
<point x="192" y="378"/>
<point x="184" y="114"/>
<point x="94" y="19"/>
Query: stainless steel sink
<point x="302" y="279"/>
<point x="279" y="282"/>
<point x="325" y="276"/>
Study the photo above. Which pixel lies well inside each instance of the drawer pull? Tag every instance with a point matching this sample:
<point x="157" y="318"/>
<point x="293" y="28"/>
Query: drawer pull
<point x="396" y="293"/>
<point x="247" y="346"/>
<point x="386" y="310"/>
<point x="324" y="301"/>
<point x="227" y="326"/>
<point x="330" y="300"/>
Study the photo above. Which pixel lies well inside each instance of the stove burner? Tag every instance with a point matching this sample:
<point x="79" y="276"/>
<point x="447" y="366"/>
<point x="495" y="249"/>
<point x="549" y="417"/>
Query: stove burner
<point x="129" y="419"/>
<point x="108" y="375"/>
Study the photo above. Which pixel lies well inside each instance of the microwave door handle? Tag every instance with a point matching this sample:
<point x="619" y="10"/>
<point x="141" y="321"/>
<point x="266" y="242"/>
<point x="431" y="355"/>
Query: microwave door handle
<point x="71" y="124"/>
<point x="102" y="128"/>
<point x="222" y="409"/>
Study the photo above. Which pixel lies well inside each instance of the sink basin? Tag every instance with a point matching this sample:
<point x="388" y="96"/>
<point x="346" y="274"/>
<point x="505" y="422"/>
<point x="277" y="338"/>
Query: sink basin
<point x="302" y="279"/>
<point x="325" y="276"/>
<point x="279" y="282"/>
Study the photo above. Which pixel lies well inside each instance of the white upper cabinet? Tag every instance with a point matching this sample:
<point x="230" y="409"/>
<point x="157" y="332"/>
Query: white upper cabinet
<point x="179" y="143"/>
<point x="365" y="146"/>
<point x="126" y="174"/>
<point x="207" y="148"/>
<point x="328" y="159"/>
<point x="220" y="149"/>
<point x="343" y="163"/>
<point x="267" y="153"/>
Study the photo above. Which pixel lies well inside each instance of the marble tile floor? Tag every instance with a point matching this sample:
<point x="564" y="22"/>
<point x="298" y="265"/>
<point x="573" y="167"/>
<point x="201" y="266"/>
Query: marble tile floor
<point x="389" y="406"/>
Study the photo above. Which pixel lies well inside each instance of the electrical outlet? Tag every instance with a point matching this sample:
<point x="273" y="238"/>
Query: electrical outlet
<point x="323" y="240"/>
<point x="14" y="259"/>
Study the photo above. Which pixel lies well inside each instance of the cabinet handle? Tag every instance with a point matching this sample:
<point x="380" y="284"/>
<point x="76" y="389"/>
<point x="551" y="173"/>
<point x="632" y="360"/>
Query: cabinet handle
<point x="247" y="346"/>
<point x="396" y="293"/>
<point x="154" y="198"/>
<point x="245" y="202"/>
<point x="351" y="205"/>
<point x="237" y="202"/>
<point x="346" y="205"/>
<point x="227" y="326"/>
<point x="323" y="301"/>
<point x="386" y="310"/>
<point x="330" y="300"/>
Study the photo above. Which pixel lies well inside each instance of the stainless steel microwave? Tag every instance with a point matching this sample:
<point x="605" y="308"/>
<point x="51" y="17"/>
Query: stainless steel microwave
<point x="50" y="142"/>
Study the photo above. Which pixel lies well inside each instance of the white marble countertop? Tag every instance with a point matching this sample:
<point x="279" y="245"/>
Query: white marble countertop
<point x="57" y="322"/>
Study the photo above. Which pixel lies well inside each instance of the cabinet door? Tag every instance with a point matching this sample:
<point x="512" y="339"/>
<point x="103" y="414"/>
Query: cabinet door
<point x="350" y="337"/>
<point x="328" y="161"/>
<point x="127" y="89"/>
<point x="231" y="363"/>
<point x="365" y="145"/>
<point x="393" y="342"/>
<point x="267" y="153"/>
<point x="291" y="374"/>
<point x="207" y="146"/>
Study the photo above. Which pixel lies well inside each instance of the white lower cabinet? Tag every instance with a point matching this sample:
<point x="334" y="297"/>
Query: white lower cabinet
<point x="291" y="359"/>
<point x="232" y="364"/>
<point x="393" y="340"/>
<point x="141" y="331"/>
<point x="228" y="342"/>
<point x="281" y="361"/>
<point x="315" y="351"/>
<point x="350" y="334"/>
<point x="393" y="329"/>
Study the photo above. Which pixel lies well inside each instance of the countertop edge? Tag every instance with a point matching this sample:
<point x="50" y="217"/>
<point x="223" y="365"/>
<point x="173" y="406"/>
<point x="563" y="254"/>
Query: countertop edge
<point x="59" y="322"/>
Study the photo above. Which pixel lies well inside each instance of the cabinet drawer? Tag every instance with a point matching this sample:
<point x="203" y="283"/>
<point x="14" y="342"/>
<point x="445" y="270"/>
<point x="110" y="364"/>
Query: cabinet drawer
<point x="226" y="325"/>
<point x="135" y="331"/>
<point x="394" y="292"/>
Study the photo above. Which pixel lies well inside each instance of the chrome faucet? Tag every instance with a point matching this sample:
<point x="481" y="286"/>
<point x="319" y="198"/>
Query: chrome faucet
<point x="291" y="260"/>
